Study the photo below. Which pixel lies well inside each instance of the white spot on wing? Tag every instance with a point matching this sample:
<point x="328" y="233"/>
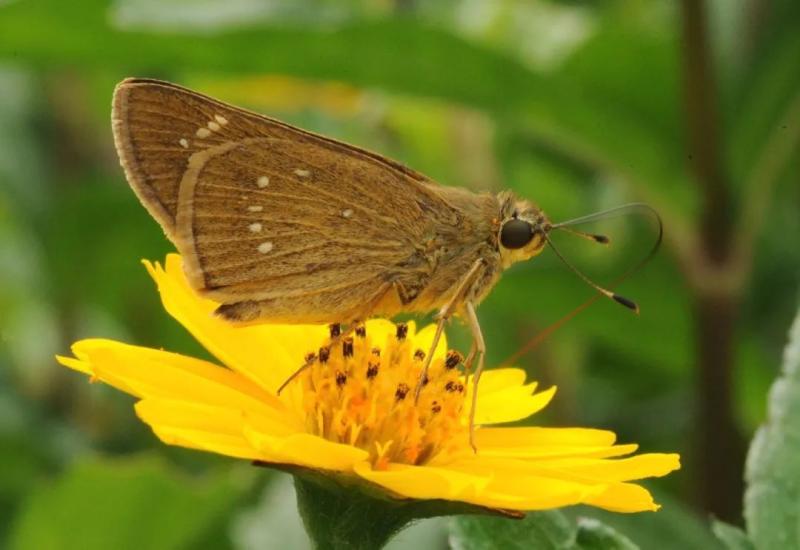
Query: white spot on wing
<point x="263" y="181"/>
<point x="184" y="143"/>
<point x="203" y="132"/>
<point x="254" y="227"/>
<point x="213" y="126"/>
<point x="221" y="119"/>
<point x="255" y="208"/>
<point x="347" y="213"/>
<point x="265" y="247"/>
<point x="302" y="173"/>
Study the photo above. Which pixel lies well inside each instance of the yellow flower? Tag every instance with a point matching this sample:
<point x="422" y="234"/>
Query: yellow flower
<point x="351" y="412"/>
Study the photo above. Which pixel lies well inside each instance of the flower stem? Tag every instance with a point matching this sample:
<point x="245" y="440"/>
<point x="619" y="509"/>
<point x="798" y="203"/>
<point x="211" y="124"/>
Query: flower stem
<point x="338" y="518"/>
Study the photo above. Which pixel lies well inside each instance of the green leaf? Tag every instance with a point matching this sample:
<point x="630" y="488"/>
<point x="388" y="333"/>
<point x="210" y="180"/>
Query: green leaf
<point x="593" y="534"/>
<point x="731" y="536"/>
<point x="125" y="504"/>
<point x="540" y="530"/>
<point x="547" y="530"/>
<point x="772" y="499"/>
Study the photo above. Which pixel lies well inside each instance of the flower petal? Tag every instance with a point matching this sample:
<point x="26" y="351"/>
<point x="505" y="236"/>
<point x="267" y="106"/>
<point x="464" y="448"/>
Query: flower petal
<point x="624" y="497"/>
<point x="542" y="437"/>
<point x="212" y="429"/>
<point x="266" y="354"/>
<point x="622" y="469"/>
<point x="425" y="482"/>
<point x="510" y="404"/>
<point x="145" y="372"/>
<point x="539" y="443"/>
<point x="305" y="450"/>
<point x="424" y="339"/>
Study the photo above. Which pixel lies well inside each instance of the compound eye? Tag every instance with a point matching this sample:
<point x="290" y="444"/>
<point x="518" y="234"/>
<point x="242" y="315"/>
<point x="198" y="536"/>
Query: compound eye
<point x="516" y="234"/>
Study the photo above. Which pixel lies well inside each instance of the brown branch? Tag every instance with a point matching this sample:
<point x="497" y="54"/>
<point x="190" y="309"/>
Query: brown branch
<point x="703" y="131"/>
<point x="719" y="446"/>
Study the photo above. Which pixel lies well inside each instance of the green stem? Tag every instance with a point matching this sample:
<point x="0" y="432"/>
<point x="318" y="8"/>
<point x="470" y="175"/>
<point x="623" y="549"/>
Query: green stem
<point x="341" y="518"/>
<point x="341" y="515"/>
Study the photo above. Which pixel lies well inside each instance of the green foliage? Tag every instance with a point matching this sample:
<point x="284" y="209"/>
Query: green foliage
<point x="772" y="500"/>
<point x="603" y="123"/>
<point x="548" y="530"/>
<point x="130" y="503"/>
<point x="731" y="536"/>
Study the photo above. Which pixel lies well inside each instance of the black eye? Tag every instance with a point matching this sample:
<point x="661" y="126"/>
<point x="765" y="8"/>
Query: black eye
<point x="516" y="234"/>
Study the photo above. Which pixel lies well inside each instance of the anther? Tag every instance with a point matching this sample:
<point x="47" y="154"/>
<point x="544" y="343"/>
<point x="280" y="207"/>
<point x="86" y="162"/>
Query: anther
<point x="402" y="391"/>
<point x="336" y="330"/>
<point x="450" y="386"/>
<point x="324" y="354"/>
<point x="341" y="378"/>
<point x="402" y="331"/>
<point x="436" y="407"/>
<point x="372" y="370"/>
<point x="310" y="358"/>
<point x="419" y="355"/>
<point x="453" y="359"/>
<point x="347" y="347"/>
<point x="376" y="352"/>
<point x="361" y="331"/>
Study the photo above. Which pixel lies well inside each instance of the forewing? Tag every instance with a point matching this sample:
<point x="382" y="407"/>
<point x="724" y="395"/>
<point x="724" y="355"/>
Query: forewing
<point x="260" y="209"/>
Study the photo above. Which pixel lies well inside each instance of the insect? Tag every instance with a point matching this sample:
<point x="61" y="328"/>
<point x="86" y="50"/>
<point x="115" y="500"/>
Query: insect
<point x="281" y="225"/>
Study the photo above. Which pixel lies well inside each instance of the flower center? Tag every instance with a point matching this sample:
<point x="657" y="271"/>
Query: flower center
<point x="362" y="393"/>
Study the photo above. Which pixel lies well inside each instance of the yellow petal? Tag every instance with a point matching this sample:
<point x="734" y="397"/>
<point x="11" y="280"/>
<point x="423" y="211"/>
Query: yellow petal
<point x="75" y="364"/>
<point x="381" y="330"/>
<point x="624" y="497"/>
<point x="515" y="485"/>
<point x="425" y="482"/>
<point x="543" y="437"/>
<point x="209" y="418"/>
<point x="510" y="404"/>
<point x="537" y="443"/>
<point x="536" y="493"/>
<point x="145" y="372"/>
<point x="623" y="469"/>
<point x="305" y="450"/>
<point x="266" y="354"/>
<point x="224" y="444"/>
<point x="493" y="380"/>
<point x="424" y="339"/>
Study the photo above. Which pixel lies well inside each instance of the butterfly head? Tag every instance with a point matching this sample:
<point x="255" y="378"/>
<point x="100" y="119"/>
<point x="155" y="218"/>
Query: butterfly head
<point x="522" y="229"/>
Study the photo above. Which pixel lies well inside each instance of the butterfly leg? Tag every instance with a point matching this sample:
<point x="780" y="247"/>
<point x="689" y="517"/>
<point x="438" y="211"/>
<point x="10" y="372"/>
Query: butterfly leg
<point x="480" y="347"/>
<point x="335" y="330"/>
<point x="444" y="314"/>
<point x="473" y="351"/>
<point x="308" y="363"/>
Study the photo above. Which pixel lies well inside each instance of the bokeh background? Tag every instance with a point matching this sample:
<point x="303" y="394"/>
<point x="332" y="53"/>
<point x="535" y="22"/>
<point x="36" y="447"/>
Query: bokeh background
<point x="692" y="107"/>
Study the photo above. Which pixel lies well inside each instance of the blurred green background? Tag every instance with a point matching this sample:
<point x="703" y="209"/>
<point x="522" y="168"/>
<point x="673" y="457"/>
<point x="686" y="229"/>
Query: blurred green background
<point x="692" y="107"/>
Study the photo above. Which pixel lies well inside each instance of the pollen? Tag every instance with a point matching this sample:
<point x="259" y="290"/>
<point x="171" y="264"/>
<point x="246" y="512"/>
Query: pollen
<point x="302" y="173"/>
<point x="262" y="182"/>
<point x="265" y="247"/>
<point x="184" y="143"/>
<point x="221" y="119"/>
<point x="203" y="132"/>
<point x="360" y="392"/>
<point x="214" y="126"/>
<point x="254" y="227"/>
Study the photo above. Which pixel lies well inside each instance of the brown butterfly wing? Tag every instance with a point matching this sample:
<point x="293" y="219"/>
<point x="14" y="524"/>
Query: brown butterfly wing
<point x="265" y="212"/>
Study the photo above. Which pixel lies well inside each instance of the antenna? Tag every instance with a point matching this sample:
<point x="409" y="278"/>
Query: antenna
<point x="594" y="237"/>
<point x="630" y="304"/>
<point x="537" y="339"/>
